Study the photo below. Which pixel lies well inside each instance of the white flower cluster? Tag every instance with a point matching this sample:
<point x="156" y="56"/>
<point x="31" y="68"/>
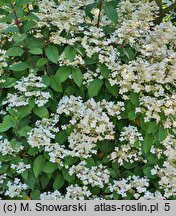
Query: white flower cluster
<point x="57" y="15"/>
<point x="94" y="176"/>
<point x="91" y="121"/>
<point x="167" y="173"/>
<point x="3" y="63"/>
<point x="135" y="185"/>
<point x="135" y="18"/>
<point x="15" y="188"/>
<point x="28" y="87"/>
<point x="152" y="196"/>
<point x="153" y="107"/>
<point x="130" y="148"/>
<point x="57" y="153"/>
<point x="43" y="132"/>
<point x="73" y="192"/>
<point x="20" y="167"/>
<point x="7" y="149"/>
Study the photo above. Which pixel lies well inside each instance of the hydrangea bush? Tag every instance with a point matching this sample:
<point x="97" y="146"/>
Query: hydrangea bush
<point x="87" y="100"/>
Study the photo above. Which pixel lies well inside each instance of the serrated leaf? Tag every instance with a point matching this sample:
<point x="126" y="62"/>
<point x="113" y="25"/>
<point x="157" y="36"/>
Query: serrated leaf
<point x="147" y="143"/>
<point x="67" y="177"/>
<point x="63" y="73"/>
<point x="15" y="51"/>
<point x="94" y="87"/>
<point x="58" y="182"/>
<point x="36" y="51"/>
<point x="49" y="167"/>
<point x="41" y="62"/>
<point x="25" y="110"/>
<point x="77" y="76"/>
<point x="46" y="80"/>
<point x="104" y="71"/>
<point x="38" y="165"/>
<point x="29" y="25"/>
<point x="111" y="13"/>
<point x="112" y="89"/>
<point x="147" y="172"/>
<point x="162" y="133"/>
<point x="52" y="53"/>
<point x="24" y="130"/>
<point x="70" y="53"/>
<point x="35" y="194"/>
<point x="19" y="37"/>
<point x="55" y="83"/>
<point x="70" y="160"/>
<point x="152" y="127"/>
<point x="7" y="123"/>
<point x="134" y="98"/>
<point x="44" y="179"/>
<point x="19" y="66"/>
<point x="42" y="112"/>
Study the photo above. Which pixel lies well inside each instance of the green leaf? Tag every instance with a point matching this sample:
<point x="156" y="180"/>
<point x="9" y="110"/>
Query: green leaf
<point x="111" y="12"/>
<point x="70" y="53"/>
<point x="49" y="167"/>
<point x="35" y="42"/>
<point x="162" y="133"/>
<point x="7" y="123"/>
<point x="106" y="147"/>
<point x="35" y="194"/>
<point x="44" y="179"/>
<point x="104" y="71"/>
<point x="152" y="127"/>
<point x="58" y="182"/>
<point x="147" y="172"/>
<point x="19" y="66"/>
<point x="25" y="174"/>
<point x="46" y="80"/>
<point x="30" y="181"/>
<point x="23" y="2"/>
<point x="41" y="62"/>
<point x="147" y="144"/>
<point x="61" y="137"/>
<point x="95" y="190"/>
<point x="134" y="98"/>
<point x="90" y="162"/>
<point x="94" y="87"/>
<point x="67" y="177"/>
<point x="25" y="110"/>
<point x="29" y="25"/>
<point x="63" y="73"/>
<point x="36" y="51"/>
<point x="131" y="115"/>
<point x="42" y="112"/>
<point x="112" y="89"/>
<point x="70" y="160"/>
<point x="15" y="51"/>
<point x="24" y="130"/>
<point x="19" y="37"/>
<point x="38" y="165"/>
<point x="52" y="53"/>
<point x="77" y="76"/>
<point x="55" y="83"/>
<point x="129" y="53"/>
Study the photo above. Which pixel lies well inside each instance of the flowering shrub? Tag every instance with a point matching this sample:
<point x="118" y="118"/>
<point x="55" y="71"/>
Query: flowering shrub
<point x="88" y="100"/>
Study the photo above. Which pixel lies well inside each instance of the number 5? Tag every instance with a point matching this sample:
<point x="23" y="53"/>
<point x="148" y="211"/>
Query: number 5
<point x="167" y="206"/>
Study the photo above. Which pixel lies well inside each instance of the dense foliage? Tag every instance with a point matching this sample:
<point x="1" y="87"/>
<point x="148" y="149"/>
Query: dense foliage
<point x="87" y="99"/>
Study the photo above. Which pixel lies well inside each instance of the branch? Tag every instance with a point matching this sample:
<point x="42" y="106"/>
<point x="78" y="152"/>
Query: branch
<point x="170" y="8"/>
<point x="100" y="8"/>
